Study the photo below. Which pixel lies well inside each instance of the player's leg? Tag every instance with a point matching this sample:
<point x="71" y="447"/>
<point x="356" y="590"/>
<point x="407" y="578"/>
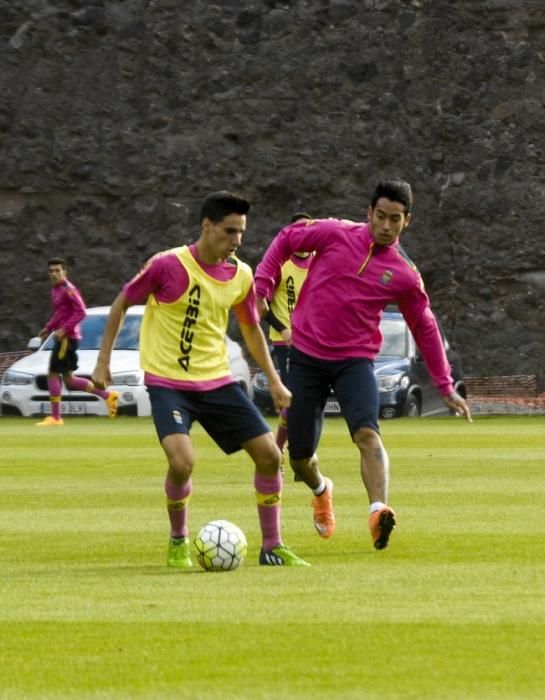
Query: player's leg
<point x="70" y="364"/>
<point x="356" y="389"/>
<point x="54" y="384"/>
<point x="268" y="490"/>
<point x="171" y="413"/>
<point x="375" y="468"/>
<point x="309" y="383"/>
<point x="81" y="384"/>
<point x="234" y="422"/>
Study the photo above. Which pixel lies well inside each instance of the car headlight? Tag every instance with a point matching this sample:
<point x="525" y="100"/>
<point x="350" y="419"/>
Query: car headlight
<point x="389" y="382"/>
<point x="127" y="378"/>
<point x="12" y="376"/>
<point x="261" y="382"/>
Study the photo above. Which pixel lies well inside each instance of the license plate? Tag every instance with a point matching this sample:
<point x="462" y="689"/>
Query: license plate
<point x="332" y="406"/>
<point x="70" y="407"/>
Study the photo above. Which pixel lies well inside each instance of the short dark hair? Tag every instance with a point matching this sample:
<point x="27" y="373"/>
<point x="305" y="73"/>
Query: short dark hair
<point x="396" y="191"/>
<point x="56" y="260"/>
<point x="218" y="205"/>
<point x="299" y="215"/>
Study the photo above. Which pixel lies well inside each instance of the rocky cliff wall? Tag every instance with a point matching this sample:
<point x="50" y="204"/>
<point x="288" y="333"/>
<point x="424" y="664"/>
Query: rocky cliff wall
<point x="118" y="116"/>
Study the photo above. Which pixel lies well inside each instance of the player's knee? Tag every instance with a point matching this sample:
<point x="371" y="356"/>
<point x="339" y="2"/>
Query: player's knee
<point x="270" y="460"/>
<point x="367" y="439"/>
<point x="300" y="466"/>
<point x="180" y="467"/>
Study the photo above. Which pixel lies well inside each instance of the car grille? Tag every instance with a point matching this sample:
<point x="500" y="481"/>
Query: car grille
<point x="80" y="398"/>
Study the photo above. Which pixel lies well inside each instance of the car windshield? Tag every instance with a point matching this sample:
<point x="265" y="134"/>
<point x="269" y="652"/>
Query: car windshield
<point x="92" y="329"/>
<point x="394" y="333"/>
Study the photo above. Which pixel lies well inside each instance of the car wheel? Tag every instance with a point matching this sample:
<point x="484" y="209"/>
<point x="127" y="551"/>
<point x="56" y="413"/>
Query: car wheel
<point x="412" y="407"/>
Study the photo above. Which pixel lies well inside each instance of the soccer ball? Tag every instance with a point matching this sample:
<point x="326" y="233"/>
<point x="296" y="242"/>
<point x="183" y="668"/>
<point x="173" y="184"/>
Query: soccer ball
<point x="220" y="545"/>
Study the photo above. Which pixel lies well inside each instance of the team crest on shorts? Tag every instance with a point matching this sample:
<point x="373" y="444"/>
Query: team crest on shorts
<point x="386" y="277"/>
<point x="177" y="416"/>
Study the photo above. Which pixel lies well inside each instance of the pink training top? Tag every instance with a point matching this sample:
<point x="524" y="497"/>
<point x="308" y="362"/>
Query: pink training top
<point x="350" y="282"/>
<point x="68" y="309"/>
<point x="166" y="278"/>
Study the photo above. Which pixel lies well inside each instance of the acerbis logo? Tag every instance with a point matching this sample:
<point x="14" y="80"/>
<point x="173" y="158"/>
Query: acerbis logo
<point x="187" y="335"/>
<point x="290" y="289"/>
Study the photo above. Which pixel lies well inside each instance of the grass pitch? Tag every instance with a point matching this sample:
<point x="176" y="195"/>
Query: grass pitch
<point x="454" y="608"/>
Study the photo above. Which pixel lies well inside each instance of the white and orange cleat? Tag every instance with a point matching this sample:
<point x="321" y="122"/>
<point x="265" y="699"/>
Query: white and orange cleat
<point x="324" y="517"/>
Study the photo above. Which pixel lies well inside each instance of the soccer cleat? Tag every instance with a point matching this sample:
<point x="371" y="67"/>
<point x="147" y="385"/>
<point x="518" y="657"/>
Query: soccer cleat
<point x="178" y="553"/>
<point x="281" y="556"/>
<point x="381" y="524"/>
<point x="111" y="402"/>
<point x="324" y="517"/>
<point x="50" y="421"/>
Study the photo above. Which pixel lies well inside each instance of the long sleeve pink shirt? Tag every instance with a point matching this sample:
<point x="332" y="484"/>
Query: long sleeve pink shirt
<point x="350" y="282"/>
<point x="69" y="309"/>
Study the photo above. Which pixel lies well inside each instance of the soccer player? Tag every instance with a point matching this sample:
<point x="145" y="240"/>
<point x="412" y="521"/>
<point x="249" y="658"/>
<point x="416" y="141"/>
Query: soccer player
<point x="357" y="270"/>
<point x="68" y="312"/>
<point x="286" y="291"/>
<point x="189" y="292"/>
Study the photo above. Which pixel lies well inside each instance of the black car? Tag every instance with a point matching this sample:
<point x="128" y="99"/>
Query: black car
<point x="405" y="387"/>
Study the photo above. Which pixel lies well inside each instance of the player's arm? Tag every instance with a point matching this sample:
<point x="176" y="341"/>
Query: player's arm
<point x="101" y="376"/>
<point x="427" y="335"/>
<point x="248" y="319"/>
<point x="77" y="313"/>
<point x="273" y="321"/>
<point x="257" y="345"/>
<point x="300" y="236"/>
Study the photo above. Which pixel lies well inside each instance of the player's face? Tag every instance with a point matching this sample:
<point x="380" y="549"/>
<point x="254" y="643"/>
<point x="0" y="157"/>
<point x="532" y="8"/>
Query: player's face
<point x="225" y="236"/>
<point x="56" y="274"/>
<point x="387" y="220"/>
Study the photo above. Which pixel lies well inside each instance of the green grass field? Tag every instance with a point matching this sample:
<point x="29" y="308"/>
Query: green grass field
<point x="454" y="608"/>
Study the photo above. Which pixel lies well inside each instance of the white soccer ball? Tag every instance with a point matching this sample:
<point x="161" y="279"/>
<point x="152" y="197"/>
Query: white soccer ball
<point x="220" y="545"/>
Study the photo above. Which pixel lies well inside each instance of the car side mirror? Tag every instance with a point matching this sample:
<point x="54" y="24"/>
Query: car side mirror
<point x="34" y="343"/>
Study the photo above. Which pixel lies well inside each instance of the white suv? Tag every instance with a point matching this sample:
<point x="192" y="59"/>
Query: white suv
<point x="24" y="385"/>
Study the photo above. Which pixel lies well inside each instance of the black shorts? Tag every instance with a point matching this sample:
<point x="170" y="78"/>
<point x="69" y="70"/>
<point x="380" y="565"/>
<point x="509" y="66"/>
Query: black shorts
<point x="310" y="381"/>
<point x="227" y="414"/>
<point x="64" y="356"/>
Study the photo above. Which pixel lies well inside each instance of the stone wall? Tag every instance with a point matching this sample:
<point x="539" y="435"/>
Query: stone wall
<point x="117" y="117"/>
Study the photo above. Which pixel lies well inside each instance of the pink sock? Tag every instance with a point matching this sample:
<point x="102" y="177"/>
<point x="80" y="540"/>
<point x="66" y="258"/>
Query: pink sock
<point x="54" y="386"/>
<point x="81" y="384"/>
<point x="269" y="495"/>
<point x="177" y="506"/>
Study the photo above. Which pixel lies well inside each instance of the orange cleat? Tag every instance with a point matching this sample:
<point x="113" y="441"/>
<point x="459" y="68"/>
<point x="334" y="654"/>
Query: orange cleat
<point x="50" y="421"/>
<point x="381" y="524"/>
<point x="111" y="402"/>
<point x="324" y="517"/>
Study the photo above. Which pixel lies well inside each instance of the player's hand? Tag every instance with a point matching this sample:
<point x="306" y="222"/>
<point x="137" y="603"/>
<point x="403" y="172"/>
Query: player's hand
<point x="280" y="395"/>
<point x="459" y="405"/>
<point x="101" y="376"/>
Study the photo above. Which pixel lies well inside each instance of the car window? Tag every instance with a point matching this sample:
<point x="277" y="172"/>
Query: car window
<point x="394" y="334"/>
<point x="92" y="329"/>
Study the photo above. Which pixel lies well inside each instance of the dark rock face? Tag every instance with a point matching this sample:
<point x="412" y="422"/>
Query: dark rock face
<point x="118" y="116"/>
